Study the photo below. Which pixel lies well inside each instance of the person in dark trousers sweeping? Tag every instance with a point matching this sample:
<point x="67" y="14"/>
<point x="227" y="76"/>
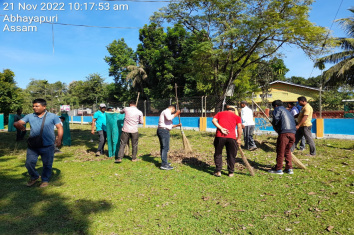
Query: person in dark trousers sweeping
<point x="45" y="121"/>
<point x="226" y="122"/>
<point x="284" y="124"/>
<point x="163" y="132"/>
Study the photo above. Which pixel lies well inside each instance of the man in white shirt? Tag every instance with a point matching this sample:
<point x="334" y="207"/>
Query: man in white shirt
<point x="163" y="132"/>
<point x="248" y="125"/>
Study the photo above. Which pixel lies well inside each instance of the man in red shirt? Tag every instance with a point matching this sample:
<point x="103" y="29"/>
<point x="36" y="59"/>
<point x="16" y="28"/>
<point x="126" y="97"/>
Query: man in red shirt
<point x="226" y="123"/>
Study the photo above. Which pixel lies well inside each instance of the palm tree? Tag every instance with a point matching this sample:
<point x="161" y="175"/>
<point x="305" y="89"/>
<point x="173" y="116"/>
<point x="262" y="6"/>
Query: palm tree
<point x="137" y="75"/>
<point x="343" y="70"/>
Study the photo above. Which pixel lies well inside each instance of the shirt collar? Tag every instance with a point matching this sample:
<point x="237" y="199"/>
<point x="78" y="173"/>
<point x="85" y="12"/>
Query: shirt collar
<point x="36" y="115"/>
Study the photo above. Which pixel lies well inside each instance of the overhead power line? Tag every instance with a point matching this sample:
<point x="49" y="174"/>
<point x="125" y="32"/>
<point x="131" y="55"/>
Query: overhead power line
<point x="324" y="43"/>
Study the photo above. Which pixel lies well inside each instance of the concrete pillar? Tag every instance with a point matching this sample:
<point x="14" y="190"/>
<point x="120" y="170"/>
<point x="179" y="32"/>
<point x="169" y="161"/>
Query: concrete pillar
<point x="319" y="128"/>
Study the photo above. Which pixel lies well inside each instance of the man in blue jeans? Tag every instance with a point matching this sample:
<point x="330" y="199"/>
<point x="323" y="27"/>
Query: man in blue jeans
<point x="48" y="137"/>
<point x="163" y="132"/>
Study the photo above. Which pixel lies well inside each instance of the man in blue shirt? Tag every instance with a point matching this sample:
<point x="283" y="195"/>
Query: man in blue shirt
<point x="99" y="120"/>
<point x="48" y="139"/>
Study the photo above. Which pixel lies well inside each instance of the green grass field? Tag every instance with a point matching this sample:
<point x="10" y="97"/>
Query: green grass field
<point x="93" y="195"/>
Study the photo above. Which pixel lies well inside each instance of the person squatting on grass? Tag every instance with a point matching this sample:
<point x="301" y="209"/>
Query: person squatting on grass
<point x="284" y="124"/>
<point x="99" y="120"/>
<point x="41" y="119"/>
<point x="133" y="117"/>
<point x="304" y="125"/>
<point x="248" y="126"/>
<point x="163" y="132"/>
<point x="226" y="122"/>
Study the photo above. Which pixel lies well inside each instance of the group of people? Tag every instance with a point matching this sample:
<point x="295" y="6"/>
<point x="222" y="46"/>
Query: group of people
<point x="290" y="132"/>
<point x="230" y="127"/>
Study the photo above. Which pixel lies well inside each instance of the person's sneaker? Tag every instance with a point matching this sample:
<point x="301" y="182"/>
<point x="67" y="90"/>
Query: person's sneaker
<point x="273" y="171"/>
<point x="289" y="171"/>
<point x="166" y="167"/>
<point x="32" y="182"/>
<point x="98" y="153"/>
<point x="44" y="184"/>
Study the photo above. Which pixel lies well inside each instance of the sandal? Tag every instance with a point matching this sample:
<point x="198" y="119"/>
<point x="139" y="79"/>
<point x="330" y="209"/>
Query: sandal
<point x="217" y="174"/>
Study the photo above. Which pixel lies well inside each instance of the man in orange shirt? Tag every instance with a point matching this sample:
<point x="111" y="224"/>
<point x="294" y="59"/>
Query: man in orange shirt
<point x="304" y="125"/>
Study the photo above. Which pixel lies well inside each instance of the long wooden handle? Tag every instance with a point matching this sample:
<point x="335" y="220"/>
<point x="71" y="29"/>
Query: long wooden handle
<point x="262" y="112"/>
<point x="245" y="161"/>
<point x="177" y="107"/>
<point x="137" y="99"/>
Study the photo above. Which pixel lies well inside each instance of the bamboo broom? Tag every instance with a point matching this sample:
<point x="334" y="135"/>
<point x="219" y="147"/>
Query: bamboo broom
<point x="186" y="145"/>
<point x="244" y="159"/>
<point x="294" y="158"/>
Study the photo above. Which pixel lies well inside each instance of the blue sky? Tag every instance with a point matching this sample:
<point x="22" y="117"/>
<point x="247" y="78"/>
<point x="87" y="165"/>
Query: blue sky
<point x="79" y="51"/>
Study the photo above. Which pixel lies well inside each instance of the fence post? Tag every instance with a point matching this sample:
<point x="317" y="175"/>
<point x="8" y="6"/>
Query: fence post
<point x="1" y="121"/>
<point x="319" y="128"/>
<point x="144" y="125"/>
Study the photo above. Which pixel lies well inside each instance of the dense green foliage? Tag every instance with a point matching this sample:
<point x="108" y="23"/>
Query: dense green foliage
<point x="10" y="95"/>
<point x="237" y="34"/>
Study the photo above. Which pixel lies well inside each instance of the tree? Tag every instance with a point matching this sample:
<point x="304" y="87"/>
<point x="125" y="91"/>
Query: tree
<point x="121" y="56"/>
<point x="10" y="95"/>
<point x="137" y="76"/>
<point x="343" y="70"/>
<point x="237" y="34"/>
<point x="91" y="91"/>
<point x="297" y="80"/>
<point x="279" y="69"/>
<point x="164" y="57"/>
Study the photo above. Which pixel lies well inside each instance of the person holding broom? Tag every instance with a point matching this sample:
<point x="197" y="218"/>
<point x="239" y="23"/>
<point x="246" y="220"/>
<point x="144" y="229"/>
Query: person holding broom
<point x="284" y="124"/>
<point x="226" y="122"/>
<point x="163" y="132"/>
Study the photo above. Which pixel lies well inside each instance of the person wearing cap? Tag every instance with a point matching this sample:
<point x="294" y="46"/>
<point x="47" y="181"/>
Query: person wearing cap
<point x="99" y="121"/>
<point x="248" y="126"/>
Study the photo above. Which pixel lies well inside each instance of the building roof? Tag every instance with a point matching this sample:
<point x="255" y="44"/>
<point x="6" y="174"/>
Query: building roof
<point x="293" y="84"/>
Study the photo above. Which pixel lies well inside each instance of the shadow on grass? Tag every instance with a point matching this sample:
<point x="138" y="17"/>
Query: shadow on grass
<point x="264" y="146"/>
<point x="151" y="159"/>
<point x="254" y="164"/>
<point x="34" y="210"/>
